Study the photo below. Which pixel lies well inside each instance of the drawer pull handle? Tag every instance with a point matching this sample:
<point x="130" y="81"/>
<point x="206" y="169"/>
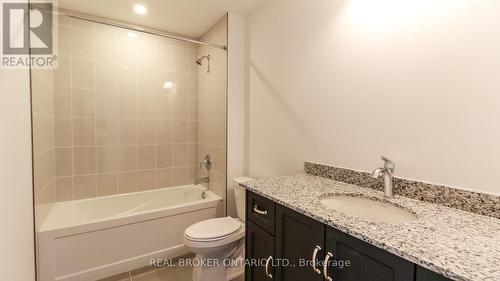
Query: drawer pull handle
<point x="260" y="212"/>
<point x="269" y="259"/>
<point x="325" y="267"/>
<point x="314" y="265"/>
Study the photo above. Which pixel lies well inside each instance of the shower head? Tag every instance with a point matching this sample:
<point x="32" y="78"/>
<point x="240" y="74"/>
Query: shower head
<point x="200" y="60"/>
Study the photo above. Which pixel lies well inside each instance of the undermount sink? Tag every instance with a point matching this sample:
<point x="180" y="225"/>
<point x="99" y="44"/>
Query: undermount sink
<point x="367" y="208"/>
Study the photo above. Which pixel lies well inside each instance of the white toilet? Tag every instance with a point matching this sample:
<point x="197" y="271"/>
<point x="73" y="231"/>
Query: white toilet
<point x="215" y="240"/>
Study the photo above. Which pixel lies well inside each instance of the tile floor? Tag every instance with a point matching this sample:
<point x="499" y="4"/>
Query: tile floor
<point x="162" y="274"/>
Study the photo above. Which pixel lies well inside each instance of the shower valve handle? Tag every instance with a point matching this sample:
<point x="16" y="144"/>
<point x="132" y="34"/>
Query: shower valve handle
<point x="207" y="162"/>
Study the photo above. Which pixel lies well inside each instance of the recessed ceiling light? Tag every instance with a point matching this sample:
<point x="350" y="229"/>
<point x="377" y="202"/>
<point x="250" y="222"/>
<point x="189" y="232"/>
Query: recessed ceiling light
<point x="132" y="34"/>
<point x="140" y="9"/>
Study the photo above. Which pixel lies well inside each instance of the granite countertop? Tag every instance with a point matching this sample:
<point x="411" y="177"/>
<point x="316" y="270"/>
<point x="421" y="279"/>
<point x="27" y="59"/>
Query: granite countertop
<point x="457" y="244"/>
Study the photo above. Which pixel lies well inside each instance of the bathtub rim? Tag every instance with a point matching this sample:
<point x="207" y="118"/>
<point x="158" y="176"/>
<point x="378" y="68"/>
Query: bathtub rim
<point x="210" y="201"/>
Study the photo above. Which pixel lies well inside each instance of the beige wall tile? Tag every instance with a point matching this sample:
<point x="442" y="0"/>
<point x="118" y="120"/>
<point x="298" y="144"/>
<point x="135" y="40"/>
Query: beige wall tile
<point x="165" y="156"/>
<point x="147" y="157"/>
<point x="150" y="82"/>
<point x="146" y="106"/>
<point x="127" y="121"/>
<point x="82" y="73"/>
<point x="146" y="131"/>
<point x="48" y="195"/>
<point x="84" y="162"/>
<point x="127" y="106"/>
<point x="165" y="178"/>
<point x="62" y="102"/>
<point x="64" y="162"/>
<point x="181" y="131"/>
<point x="165" y="131"/>
<point x="126" y="79"/>
<point x="147" y="180"/>
<point x="193" y="159"/>
<point x="194" y="173"/>
<point x="193" y="109"/>
<point x="82" y="103"/>
<point x="42" y="133"/>
<point x="85" y="186"/>
<point x="107" y="159"/>
<point x="181" y="84"/>
<point x="127" y="132"/>
<point x="64" y="40"/>
<point x="180" y="155"/>
<point x="106" y="131"/>
<point x="193" y="132"/>
<point x="166" y="107"/>
<point x="64" y="189"/>
<point x="220" y="132"/>
<point x="127" y="182"/>
<point x="107" y="184"/>
<point x="62" y="74"/>
<point x="181" y="108"/>
<point x="82" y="41"/>
<point x="83" y="131"/>
<point x="63" y="131"/>
<point x="106" y="76"/>
<point x="44" y="170"/>
<point x="42" y="93"/>
<point x="181" y="176"/>
<point x="105" y="43"/>
<point x="127" y="158"/>
<point x="106" y="104"/>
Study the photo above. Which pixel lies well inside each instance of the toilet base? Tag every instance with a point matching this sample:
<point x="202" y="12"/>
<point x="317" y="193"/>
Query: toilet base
<point x="210" y="268"/>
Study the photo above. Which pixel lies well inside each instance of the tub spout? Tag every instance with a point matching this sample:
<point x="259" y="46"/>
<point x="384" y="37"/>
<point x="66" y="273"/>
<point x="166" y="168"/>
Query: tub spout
<point x="202" y="180"/>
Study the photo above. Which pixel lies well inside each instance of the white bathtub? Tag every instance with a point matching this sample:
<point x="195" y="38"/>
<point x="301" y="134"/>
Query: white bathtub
<point x="96" y="238"/>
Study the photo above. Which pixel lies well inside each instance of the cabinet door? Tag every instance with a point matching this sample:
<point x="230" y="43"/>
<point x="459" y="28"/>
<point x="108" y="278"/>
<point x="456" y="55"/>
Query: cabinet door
<point x="259" y="250"/>
<point x="427" y="275"/>
<point x="297" y="237"/>
<point x="366" y="262"/>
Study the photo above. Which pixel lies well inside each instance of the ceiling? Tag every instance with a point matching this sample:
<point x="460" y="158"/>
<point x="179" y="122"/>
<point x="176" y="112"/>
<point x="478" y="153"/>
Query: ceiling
<point x="187" y="17"/>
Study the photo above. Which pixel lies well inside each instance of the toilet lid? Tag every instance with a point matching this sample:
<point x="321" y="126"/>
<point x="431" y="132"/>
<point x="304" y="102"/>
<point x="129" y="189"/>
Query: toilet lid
<point x="213" y="228"/>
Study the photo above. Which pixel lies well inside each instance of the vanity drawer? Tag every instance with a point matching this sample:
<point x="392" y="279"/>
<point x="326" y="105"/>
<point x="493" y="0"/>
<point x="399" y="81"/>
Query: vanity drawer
<point x="261" y="211"/>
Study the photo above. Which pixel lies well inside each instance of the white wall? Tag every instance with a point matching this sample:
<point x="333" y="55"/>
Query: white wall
<point x="236" y="105"/>
<point x="343" y="82"/>
<point x="16" y="192"/>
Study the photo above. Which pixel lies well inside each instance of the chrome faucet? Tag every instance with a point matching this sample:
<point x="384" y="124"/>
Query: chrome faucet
<point x="202" y="180"/>
<point x="207" y="164"/>
<point x="388" y="172"/>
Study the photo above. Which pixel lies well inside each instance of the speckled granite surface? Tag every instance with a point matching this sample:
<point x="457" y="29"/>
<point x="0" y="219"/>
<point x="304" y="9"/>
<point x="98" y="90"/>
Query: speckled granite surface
<point x="457" y="244"/>
<point x="479" y="203"/>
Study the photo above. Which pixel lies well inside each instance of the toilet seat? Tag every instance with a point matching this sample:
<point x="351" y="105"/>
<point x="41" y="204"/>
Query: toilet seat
<point x="205" y="235"/>
<point x="212" y="229"/>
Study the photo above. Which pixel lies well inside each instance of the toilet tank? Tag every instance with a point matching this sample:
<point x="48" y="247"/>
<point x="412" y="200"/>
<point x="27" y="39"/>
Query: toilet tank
<point x="239" y="195"/>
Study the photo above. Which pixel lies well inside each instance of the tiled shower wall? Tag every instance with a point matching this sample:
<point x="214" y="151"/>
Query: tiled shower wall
<point x="212" y="108"/>
<point x="43" y="136"/>
<point x="125" y="112"/>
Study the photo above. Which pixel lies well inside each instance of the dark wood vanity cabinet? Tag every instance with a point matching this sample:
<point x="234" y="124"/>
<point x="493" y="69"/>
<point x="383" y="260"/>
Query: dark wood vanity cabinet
<point x="289" y="246"/>
<point x="259" y="246"/>
<point x="366" y="262"/>
<point x="297" y="239"/>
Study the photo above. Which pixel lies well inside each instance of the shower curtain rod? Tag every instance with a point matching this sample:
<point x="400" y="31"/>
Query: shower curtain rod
<point x="146" y="30"/>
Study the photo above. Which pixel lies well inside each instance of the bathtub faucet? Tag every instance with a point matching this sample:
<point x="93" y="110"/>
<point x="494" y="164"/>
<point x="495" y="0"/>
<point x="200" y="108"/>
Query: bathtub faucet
<point x="207" y="164"/>
<point x="202" y="180"/>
